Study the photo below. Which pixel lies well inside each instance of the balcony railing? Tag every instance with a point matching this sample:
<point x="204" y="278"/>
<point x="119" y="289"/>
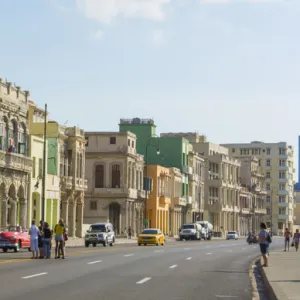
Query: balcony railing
<point x="66" y="182"/>
<point x="141" y="194"/>
<point x="187" y="170"/>
<point x="14" y="161"/>
<point x="283" y="204"/>
<point x="180" y="201"/>
<point x="283" y="217"/>
<point x="245" y="211"/>
<point x="80" y="184"/>
<point x="164" y="200"/>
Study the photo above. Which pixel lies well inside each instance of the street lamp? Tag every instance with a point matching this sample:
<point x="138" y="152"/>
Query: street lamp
<point x="153" y="141"/>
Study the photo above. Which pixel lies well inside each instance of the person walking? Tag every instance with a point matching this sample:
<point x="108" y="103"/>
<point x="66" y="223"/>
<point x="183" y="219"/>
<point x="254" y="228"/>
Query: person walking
<point x="287" y="235"/>
<point x="59" y="231"/>
<point x="129" y="232"/>
<point x="264" y="240"/>
<point x="296" y="239"/>
<point x="47" y="241"/>
<point x="41" y="239"/>
<point x="34" y="235"/>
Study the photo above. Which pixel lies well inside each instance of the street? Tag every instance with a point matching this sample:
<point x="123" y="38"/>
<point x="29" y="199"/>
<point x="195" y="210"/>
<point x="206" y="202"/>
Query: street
<point x="179" y="270"/>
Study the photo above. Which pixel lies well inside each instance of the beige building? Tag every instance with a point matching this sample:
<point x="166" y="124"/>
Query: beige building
<point x="15" y="164"/>
<point x="253" y="179"/>
<point x="277" y="163"/>
<point x="297" y="208"/>
<point x="115" y="181"/>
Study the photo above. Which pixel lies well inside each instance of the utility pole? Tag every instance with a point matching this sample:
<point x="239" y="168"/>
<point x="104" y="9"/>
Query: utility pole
<point x="44" y="165"/>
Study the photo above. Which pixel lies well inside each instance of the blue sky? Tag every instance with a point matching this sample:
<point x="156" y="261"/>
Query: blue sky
<point x="227" y="68"/>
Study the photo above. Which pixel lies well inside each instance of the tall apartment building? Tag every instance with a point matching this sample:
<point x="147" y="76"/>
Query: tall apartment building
<point x="115" y="174"/>
<point x="277" y="164"/>
<point x="15" y="163"/>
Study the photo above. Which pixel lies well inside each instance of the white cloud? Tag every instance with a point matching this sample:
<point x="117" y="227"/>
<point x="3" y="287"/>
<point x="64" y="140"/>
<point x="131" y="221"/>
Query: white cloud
<point x="107" y="10"/>
<point x="98" y="35"/>
<point x="158" y="36"/>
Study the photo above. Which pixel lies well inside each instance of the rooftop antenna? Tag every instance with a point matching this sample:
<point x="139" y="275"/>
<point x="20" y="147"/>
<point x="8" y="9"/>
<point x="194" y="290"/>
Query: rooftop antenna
<point x="66" y="123"/>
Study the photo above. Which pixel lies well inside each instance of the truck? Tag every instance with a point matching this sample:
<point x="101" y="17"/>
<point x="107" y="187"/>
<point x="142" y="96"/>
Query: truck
<point x="206" y="230"/>
<point x="190" y="231"/>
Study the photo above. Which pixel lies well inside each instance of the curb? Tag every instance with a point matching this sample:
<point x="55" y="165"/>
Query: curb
<point x="270" y="292"/>
<point x="255" y="293"/>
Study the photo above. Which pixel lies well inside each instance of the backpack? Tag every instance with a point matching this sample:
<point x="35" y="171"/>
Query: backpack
<point x="269" y="239"/>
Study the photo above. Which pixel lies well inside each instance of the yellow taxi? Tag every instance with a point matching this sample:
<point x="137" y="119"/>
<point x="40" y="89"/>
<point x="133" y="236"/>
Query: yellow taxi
<point x="151" y="236"/>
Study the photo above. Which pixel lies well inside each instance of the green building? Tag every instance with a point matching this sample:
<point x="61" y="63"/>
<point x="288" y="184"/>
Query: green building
<point x="165" y="151"/>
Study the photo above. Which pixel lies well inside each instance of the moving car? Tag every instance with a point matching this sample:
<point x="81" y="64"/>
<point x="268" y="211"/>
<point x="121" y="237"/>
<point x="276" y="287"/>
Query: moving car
<point x="14" y="238"/>
<point x="191" y="231"/>
<point x="151" y="236"/>
<point x="100" y="233"/>
<point x="232" y="235"/>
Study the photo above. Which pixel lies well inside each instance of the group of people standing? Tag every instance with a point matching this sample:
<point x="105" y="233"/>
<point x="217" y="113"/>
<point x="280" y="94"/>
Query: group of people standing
<point x="295" y="239"/>
<point x="41" y="240"/>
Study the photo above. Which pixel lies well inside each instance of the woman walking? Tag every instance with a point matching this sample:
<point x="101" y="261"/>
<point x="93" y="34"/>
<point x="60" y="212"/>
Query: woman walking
<point x="296" y="239"/>
<point x="264" y="241"/>
<point x="287" y="235"/>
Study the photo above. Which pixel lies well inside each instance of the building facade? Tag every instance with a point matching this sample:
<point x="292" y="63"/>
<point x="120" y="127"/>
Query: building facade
<point x="15" y="163"/>
<point x="277" y="164"/>
<point x="115" y="174"/>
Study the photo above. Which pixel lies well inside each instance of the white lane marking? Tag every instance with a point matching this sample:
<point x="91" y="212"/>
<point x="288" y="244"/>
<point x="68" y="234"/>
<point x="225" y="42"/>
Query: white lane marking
<point x="127" y="255"/>
<point x="186" y="248"/>
<point x="34" y="275"/>
<point x="188" y="258"/>
<point x="143" y="280"/>
<point x="172" y="267"/>
<point x="208" y="253"/>
<point x="94" y="262"/>
<point x="225" y="296"/>
<point x="158" y="251"/>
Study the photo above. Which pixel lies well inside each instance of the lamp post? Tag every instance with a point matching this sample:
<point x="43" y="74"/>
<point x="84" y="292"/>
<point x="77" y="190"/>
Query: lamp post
<point x="151" y="142"/>
<point x="44" y="166"/>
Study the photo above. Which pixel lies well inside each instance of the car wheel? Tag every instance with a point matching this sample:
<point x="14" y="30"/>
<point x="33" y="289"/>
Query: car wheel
<point x="105" y="243"/>
<point x="17" y="248"/>
<point x="157" y="244"/>
<point x="29" y="249"/>
<point x="94" y="244"/>
<point x="139" y="244"/>
<point x="145" y="244"/>
<point x="5" y="250"/>
<point x="112" y="243"/>
<point x="87" y="244"/>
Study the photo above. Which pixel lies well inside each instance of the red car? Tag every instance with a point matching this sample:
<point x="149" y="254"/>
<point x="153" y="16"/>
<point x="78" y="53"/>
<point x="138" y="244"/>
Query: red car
<point x="14" y="238"/>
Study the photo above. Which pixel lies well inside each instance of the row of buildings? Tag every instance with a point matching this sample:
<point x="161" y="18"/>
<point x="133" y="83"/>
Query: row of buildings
<point x="134" y="177"/>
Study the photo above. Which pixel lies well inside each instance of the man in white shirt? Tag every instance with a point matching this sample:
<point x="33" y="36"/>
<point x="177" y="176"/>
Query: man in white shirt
<point x="34" y="234"/>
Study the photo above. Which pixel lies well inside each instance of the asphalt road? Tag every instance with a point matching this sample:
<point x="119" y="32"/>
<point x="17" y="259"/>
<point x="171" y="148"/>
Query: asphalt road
<point x="176" y="271"/>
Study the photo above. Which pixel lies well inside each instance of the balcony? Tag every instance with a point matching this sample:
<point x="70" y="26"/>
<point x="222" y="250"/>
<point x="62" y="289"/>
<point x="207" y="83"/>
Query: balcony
<point x="245" y="211"/>
<point x="283" y="156"/>
<point x="141" y="194"/>
<point x="180" y="201"/>
<point x="164" y="200"/>
<point x="283" y="193"/>
<point x="260" y="211"/>
<point x="283" y="168"/>
<point x="66" y="182"/>
<point x="189" y="200"/>
<point x="283" y="217"/>
<point x="114" y="193"/>
<point x="283" y="204"/>
<point x="80" y="184"/>
<point x="263" y="192"/>
<point x="283" y="180"/>
<point x="14" y="161"/>
<point x="187" y="170"/>
<point x="194" y="177"/>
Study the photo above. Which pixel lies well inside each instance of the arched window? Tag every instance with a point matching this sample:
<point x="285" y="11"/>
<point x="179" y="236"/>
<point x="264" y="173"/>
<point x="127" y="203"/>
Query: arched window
<point x="4" y="133"/>
<point x="22" y="140"/>
<point x="99" y="176"/>
<point x="116" y="177"/>
<point x="13" y="134"/>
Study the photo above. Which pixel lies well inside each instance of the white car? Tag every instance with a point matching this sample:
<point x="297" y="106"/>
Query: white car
<point x="232" y="235"/>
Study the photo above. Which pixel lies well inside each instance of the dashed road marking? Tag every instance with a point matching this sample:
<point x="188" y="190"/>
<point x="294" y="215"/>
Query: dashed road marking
<point x="127" y="255"/>
<point x="209" y="253"/>
<point x="225" y="296"/>
<point x="94" y="262"/>
<point x="34" y="275"/>
<point x="158" y="251"/>
<point x="188" y="258"/>
<point x="172" y="267"/>
<point x="143" y="280"/>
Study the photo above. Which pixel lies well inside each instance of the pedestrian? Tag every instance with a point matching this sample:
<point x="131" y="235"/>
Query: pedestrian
<point x="40" y="239"/>
<point x="129" y="232"/>
<point x="287" y="235"/>
<point x="34" y="235"/>
<point x="296" y="239"/>
<point x="59" y="231"/>
<point x="47" y="241"/>
<point x="264" y="240"/>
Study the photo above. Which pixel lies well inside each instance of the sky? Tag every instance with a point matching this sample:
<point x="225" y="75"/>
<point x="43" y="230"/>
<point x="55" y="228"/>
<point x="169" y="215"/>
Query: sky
<point x="229" y="69"/>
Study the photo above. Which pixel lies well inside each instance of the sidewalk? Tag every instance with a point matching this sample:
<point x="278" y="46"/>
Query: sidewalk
<point x="283" y="275"/>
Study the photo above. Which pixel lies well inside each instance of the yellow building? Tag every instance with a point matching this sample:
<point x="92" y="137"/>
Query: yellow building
<point x="159" y="200"/>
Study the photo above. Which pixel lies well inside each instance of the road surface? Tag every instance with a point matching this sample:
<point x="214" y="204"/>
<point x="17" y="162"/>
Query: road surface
<point x="177" y="271"/>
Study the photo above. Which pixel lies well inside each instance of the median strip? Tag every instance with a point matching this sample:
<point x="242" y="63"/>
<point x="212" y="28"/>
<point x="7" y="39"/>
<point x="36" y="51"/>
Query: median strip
<point x="143" y="280"/>
<point x="34" y="275"/>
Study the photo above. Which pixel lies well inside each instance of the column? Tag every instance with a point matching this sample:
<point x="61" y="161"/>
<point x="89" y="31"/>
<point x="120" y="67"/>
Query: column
<point x="71" y="223"/>
<point x="13" y="212"/>
<point x="4" y="213"/>
<point x="79" y="221"/>
<point x="124" y="216"/>
<point x="23" y="212"/>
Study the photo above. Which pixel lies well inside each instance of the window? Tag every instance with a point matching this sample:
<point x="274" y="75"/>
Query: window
<point x="99" y="176"/>
<point x="268" y="175"/>
<point x="268" y="211"/>
<point x="115" y="177"/>
<point x="268" y="151"/>
<point x="282" y="187"/>
<point x="281" y="199"/>
<point x="268" y="163"/>
<point x="40" y="167"/>
<point x="268" y="186"/>
<point x="233" y="150"/>
<point x="282" y="163"/>
<point x="282" y="211"/>
<point x="282" y="175"/>
<point x="268" y="199"/>
<point x="112" y="140"/>
<point x="282" y="151"/>
<point x="128" y="143"/>
<point x="33" y="167"/>
<point x="93" y="205"/>
<point x="132" y="144"/>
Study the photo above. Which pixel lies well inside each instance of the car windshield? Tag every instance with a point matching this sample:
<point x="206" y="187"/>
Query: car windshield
<point x="150" y="231"/>
<point x="188" y="226"/>
<point x="231" y="232"/>
<point x="100" y="228"/>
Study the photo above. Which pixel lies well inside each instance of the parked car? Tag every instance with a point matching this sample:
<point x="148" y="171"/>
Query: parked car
<point x="100" y="233"/>
<point x="14" y="238"/>
<point x="151" y="236"/>
<point x="232" y="235"/>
